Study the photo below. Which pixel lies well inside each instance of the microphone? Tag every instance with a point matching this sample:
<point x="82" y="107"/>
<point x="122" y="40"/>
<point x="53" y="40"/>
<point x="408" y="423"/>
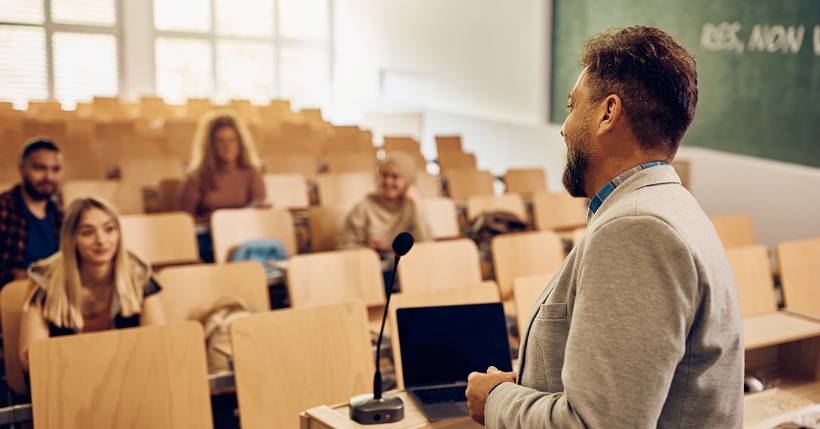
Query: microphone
<point x="375" y="409"/>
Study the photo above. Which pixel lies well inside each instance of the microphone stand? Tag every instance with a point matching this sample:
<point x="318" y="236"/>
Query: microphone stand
<point x="376" y="409"/>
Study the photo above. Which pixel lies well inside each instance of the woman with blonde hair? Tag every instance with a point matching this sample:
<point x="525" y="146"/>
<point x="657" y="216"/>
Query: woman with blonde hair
<point x="91" y="284"/>
<point x="380" y="216"/>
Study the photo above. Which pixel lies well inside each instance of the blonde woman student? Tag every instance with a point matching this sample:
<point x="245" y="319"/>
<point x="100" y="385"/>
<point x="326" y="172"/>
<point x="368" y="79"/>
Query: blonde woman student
<point x="380" y="216"/>
<point x="91" y="284"/>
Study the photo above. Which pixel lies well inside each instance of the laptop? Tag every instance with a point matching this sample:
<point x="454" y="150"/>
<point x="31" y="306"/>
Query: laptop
<point x="441" y="346"/>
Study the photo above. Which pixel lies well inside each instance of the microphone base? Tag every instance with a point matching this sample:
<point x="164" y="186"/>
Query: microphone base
<point x="368" y="411"/>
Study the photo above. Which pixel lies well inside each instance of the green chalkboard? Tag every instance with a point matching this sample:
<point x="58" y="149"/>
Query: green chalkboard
<point x="758" y="67"/>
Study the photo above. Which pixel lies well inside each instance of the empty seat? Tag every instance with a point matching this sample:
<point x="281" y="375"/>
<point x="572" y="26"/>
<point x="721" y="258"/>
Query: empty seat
<point x="344" y="190"/>
<point x="456" y="161"/>
<point x="734" y="229"/>
<point x="150" y="171"/>
<point x="525" y="254"/>
<point x="152" y="377"/>
<point x="351" y="162"/>
<point x="525" y="181"/>
<point x="463" y="184"/>
<point x="559" y="211"/>
<point x="12" y="297"/>
<point x="334" y="277"/>
<point x="440" y="265"/>
<point x="442" y="217"/>
<point x="232" y="227"/>
<point x="799" y="273"/>
<point x="304" y="165"/>
<point x="126" y="197"/>
<point x="190" y="292"/>
<point x="450" y="143"/>
<point x="325" y="225"/>
<point x="161" y="238"/>
<point x="288" y="191"/>
<point x="287" y="361"/>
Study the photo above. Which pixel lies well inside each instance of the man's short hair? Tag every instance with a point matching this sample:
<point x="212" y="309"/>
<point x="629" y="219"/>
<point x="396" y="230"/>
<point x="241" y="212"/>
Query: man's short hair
<point x="38" y="144"/>
<point x="655" y="78"/>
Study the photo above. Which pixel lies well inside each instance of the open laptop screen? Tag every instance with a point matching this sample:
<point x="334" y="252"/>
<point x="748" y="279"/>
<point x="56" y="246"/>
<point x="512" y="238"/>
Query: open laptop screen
<point x="442" y="345"/>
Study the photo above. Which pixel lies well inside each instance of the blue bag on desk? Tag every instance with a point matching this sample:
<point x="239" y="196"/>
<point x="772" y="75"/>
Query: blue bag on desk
<point x="262" y="251"/>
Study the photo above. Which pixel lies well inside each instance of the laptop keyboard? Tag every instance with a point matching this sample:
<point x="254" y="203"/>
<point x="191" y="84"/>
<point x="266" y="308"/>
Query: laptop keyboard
<point x="441" y="395"/>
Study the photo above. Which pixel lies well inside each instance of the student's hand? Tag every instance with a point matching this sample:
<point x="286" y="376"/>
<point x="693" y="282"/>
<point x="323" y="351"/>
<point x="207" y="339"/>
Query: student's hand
<point x="478" y="388"/>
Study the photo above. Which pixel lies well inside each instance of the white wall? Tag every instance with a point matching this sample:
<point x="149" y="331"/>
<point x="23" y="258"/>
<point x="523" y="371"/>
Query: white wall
<point x="783" y="199"/>
<point x="483" y="58"/>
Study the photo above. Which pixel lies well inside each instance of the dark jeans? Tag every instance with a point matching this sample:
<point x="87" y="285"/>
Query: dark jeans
<point x="206" y="247"/>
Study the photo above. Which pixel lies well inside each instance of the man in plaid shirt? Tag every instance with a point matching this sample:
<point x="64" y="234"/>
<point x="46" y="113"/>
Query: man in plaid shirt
<point x="30" y="217"/>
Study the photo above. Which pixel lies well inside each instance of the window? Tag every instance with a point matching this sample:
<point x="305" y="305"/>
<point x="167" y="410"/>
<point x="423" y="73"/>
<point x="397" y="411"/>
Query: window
<point x="246" y="49"/>
<point x="83" y="61"/>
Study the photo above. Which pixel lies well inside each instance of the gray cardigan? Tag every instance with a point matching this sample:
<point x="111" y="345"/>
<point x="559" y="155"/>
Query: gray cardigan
<point x="639" y="328"/>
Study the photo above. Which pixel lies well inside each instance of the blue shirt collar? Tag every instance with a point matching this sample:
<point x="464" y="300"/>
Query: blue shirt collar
<point x="610" y="186"/>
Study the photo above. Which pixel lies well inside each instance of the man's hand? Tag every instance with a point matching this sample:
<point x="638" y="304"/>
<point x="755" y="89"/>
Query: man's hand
<point x="479" y="386"/>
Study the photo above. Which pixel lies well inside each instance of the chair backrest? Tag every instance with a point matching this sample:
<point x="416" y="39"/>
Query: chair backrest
<point x="304" y="165"/>
<point x="427" y="185"/>
<point x="190" y="292"/>
<point x="524" y="254"/>
<point x="512" y="203"/>
<point x="526" y="290"/>
<point x="149" y="171"/>
<point x="179" y="137"/>
<point x="325" y="224"/>
<point x="161" y="238"/>
<point x="558" y="211"/>
<point x="351" y="162"/>
<point x="477" y="294"/>
<point x="753" y="276"/>
<point x="168" y="194"/>
<point x="344" y="190"/>
<point x="126" y="197"/>
<point x="287" y="361"/>
<point x="232" y="227"/>
<point x="526" y="181"/>
<point x="334" y="277"/>
<point x="146" y="377"/>
<point x="12" y="298"/>
<point x="456" y="161"/>
<point x="401" y="143"/>
<point x="440" y="265"/>
<point x="734" y="229"/>
<point x="442" y="217"/>
<point x="448" y="144"/>
<point x="288" y="191"/>
<point x="799" y="274"/>
<point x="463" y="184"/>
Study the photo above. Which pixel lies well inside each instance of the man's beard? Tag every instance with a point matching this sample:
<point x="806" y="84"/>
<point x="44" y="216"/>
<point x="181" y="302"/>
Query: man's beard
<point x="577" y="164"/>
<point x="577" y="161"/>
<point x="32" y="191"/>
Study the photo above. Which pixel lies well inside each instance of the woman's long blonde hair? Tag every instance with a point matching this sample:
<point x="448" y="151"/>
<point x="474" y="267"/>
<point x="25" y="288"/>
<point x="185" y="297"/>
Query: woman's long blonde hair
<point x="61" y="271"/>
<point x="204" y="161"/>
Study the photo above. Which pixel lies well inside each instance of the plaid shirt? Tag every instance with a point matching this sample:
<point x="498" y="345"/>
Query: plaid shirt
<point x="13" y="229"/>
<point x="610" y="186"/>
